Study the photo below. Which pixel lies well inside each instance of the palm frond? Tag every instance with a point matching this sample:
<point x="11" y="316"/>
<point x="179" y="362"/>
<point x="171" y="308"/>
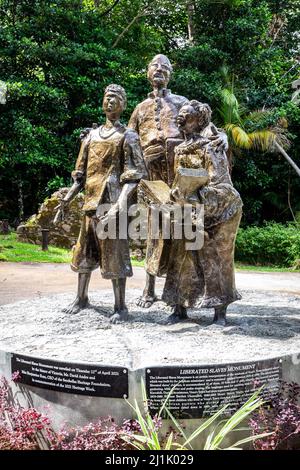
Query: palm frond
<point x="238" y="136"/>
<point x="230" y="110"/>
<point x="259" y="115"/>
<point x="262" y="140"/>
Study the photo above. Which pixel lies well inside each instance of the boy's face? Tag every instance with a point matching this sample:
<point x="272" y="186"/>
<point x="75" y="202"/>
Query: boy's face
<point x="112" y="104"/>
<point x="188" y="119"/>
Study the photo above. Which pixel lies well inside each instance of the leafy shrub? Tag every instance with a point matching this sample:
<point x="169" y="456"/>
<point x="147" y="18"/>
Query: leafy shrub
<point x="273" y="244"/>
<point x="282" y="418"/>
<point x="21" y="428"/>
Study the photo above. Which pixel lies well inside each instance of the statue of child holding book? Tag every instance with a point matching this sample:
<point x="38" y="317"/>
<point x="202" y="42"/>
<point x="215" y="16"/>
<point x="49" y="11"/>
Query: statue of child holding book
<point x="203" y="277"/>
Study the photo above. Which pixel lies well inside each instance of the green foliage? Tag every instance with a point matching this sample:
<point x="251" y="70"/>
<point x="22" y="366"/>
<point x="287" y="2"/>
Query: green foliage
<point x="216" y="430"/>
<point x="15" y="251"/>
<point x="257" y="44"/>
<point x="57" y="57"/>
<point x="273" y="244"/>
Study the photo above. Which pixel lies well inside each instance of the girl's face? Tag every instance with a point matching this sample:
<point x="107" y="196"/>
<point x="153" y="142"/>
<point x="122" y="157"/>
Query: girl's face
<point x="112" y="103"/>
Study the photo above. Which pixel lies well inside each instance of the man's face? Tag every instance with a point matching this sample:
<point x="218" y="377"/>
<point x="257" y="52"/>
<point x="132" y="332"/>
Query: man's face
<point x="112" y="103"/>
<point x="159" y="73"/>
<point x="188" y="119"/>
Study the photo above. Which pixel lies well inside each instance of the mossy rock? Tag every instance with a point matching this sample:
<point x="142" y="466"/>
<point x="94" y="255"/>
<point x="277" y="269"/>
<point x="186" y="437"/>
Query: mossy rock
<point x="65" y="233"/>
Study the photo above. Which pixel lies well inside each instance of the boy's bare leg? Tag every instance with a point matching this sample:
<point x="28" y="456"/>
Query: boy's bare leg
<point x="121" y="312"/>
<point x="148" y="297"/>
<point x="81" y="300"/>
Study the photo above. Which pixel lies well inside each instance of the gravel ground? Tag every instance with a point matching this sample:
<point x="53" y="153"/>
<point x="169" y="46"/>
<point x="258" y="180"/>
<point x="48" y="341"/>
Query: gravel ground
<point x="261" y="325"/>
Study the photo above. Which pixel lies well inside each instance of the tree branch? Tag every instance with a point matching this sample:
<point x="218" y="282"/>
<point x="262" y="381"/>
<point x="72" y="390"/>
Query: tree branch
<point x="96" y="2"/>
<point x="291" y="162"/>
<point x="122" y="34"/>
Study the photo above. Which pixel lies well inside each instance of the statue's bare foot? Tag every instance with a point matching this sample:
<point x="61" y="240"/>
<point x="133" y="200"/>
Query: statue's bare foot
<point x="119" y="316"/>
<point x="178" y="315"/>
<point x="220" y="316"/>
<point x="76" y="306"/>
<point x="146" y="300"/>
<point x="219" y="321"/>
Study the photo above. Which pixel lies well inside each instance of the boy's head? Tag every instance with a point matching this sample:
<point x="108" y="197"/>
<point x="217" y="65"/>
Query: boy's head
<point x="194" y="116"/>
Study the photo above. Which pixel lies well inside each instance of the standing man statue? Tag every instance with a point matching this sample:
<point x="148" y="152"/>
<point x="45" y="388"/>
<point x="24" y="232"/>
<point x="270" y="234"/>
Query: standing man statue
<point x="109" y="167"/>
<point x="155" y="121"/>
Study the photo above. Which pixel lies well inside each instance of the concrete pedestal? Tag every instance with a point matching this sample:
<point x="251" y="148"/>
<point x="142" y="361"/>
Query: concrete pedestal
<point x="262" y="326"/>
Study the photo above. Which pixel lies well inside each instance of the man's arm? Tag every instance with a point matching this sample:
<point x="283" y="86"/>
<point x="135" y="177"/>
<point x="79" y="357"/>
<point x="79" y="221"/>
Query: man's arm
<point x="217" y="137"/>
<point x="134" y="121"/>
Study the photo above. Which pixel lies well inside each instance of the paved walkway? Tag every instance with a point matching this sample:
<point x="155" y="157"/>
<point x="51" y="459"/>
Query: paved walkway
<point x="20" y="281"/>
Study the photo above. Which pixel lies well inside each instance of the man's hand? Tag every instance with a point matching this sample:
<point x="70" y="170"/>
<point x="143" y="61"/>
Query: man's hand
<point x="220" y="141"/>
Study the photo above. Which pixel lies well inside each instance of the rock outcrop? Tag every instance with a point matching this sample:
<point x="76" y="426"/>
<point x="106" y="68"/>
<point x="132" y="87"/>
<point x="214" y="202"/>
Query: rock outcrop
<point x="65" y="233"/>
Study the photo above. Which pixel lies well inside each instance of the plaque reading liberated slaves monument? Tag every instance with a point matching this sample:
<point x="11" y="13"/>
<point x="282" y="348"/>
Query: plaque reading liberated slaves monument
<point x="202" y="391"/>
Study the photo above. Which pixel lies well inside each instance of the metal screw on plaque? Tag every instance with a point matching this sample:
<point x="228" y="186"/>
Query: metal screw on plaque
<point x="45" y="239"/>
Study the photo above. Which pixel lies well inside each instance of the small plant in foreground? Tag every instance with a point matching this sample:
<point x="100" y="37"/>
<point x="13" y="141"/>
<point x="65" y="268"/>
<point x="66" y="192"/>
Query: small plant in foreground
<point x="28" y="429"/>
<point x="282" y="417"/>
<point x="104" y="434"/>
<point x="149" y="438"/>
<point x="21" y="428"/>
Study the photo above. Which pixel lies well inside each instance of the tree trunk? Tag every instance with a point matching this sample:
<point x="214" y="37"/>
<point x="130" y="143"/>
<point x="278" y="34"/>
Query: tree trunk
<point x="20" y="200"/>
<point x="291" y="162"/>
<point x="190" y="7"/>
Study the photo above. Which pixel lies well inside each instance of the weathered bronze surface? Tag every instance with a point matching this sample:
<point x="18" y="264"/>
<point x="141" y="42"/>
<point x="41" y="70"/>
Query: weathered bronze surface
<point x="204" y="277"/>
<point x="155" y="120"/>
<point x="108" y="168"/>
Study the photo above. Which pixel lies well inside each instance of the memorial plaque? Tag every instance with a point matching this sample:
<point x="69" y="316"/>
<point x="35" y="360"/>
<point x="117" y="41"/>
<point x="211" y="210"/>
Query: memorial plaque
<point x="202" y="391"/>
<point x="68" y="377"/>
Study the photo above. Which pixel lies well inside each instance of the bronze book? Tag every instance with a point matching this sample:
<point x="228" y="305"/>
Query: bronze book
<point x="153" y="192"/>
<point x="188" y="180"/>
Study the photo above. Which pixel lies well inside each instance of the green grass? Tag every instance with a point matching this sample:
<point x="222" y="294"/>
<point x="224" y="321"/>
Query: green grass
<point x="15" y="252"/>
<point x="259" y="268"/>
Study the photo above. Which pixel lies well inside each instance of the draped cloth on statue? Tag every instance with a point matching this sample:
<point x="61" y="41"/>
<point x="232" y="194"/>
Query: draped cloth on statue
<point x="205" y="277"/>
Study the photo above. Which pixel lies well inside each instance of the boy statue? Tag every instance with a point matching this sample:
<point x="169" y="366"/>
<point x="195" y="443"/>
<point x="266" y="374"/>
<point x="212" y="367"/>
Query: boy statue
<point x="109" y="167"/>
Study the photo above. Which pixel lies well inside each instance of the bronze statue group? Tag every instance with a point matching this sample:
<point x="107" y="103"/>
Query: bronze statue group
<point x="166" y="134"/>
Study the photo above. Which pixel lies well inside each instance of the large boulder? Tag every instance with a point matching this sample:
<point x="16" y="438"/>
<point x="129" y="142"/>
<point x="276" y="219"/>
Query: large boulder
<point x="65" y="233"/>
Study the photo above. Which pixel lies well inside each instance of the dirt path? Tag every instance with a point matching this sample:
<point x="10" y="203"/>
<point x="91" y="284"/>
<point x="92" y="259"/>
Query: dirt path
<point x="20" y="281"/>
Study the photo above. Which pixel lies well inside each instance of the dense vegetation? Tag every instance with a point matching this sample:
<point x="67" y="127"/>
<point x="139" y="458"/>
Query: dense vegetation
<point x="56" y="57"/>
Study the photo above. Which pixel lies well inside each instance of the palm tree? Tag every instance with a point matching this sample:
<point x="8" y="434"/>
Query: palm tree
<point x="235" y="121"/>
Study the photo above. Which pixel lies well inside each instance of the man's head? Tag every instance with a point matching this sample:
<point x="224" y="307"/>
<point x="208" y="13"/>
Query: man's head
<point x="114" y="100"/>
<point x="194" y="117"/>
<point x="159" y="71"/>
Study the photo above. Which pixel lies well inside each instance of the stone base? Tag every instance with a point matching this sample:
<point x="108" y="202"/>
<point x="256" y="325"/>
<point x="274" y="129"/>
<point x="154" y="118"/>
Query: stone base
<point x="261" y="326"/>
